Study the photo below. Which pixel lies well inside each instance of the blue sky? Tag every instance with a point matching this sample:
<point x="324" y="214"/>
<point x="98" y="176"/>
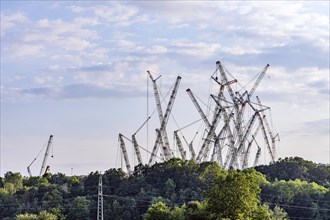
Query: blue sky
<point x="77" y="70"/>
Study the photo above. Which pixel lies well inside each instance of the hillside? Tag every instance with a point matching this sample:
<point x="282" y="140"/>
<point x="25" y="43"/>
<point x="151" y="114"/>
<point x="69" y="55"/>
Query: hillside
<point x="291" y="188"/>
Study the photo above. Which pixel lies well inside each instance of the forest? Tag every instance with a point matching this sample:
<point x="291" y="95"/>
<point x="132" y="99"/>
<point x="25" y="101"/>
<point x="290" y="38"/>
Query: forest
<point x="290" y="188"/>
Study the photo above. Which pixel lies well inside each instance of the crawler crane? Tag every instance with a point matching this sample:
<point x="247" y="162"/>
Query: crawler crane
<point x="44" y="169"/>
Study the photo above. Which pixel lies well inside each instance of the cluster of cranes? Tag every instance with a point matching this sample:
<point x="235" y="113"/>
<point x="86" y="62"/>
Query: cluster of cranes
<point x="233" y="122"/>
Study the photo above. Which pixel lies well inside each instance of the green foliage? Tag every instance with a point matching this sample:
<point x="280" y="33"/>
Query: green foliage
<point x="296" y="168"/>
<point x="73" y="180"/>
<point x="43" y="215"/>
<point x="158" y="211"/>
<point x="80" y="209"/>
<point x="178" y="213"/>
<point x="297" y="194"/>
<point x="278" y="213"/>
<point x="234" y="196"/>
<point x="35" y="181"/>
<point x="196" y="210"/>
<point x="185" y="190"/>
<point x="13" y="182"/>
<point x="26" y="216"/>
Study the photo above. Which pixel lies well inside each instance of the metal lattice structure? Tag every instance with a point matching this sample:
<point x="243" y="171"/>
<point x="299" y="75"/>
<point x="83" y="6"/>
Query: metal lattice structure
<point x="234" y="125"/>
<point x="100" y="200"/>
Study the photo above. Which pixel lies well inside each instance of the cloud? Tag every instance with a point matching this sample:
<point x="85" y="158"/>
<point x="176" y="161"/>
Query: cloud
<point x="23" y="50"/>
<point x="45" y="36"/>
<point x="113" y="12"/>
<point x="83" y="90"/>
<point x="318" y="127"/>
<point x="201" y="50"/>
<point x="42" y="80"/>
<point x="9" y="21"/>
<point x="156" y="49"/>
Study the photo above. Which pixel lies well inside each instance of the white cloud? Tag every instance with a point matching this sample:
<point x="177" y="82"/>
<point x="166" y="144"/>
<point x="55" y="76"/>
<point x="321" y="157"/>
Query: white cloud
<point x="8" y="21"/>
<point x="200" y="49"/>
<point x="157" y="50"/>
<point x="85" y="21"/>
<point x="236" y="50"/>
<point x="119" y="14"/>
<point x="76" y="8"/>
<point x="42" y="80"/>
<point x="66" y="58"/>
<point x="23" y="50"/>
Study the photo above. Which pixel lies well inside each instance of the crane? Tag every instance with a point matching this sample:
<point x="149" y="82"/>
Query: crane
<point x="157" y="99"/>
<point x="162" y="130"/>
<point x="272" y="137"/>
<point x="47" y="168"/>
<point x="43" y="169"/>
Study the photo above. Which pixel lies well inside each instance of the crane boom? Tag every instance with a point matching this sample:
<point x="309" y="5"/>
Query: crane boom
<point x="163" y="120"/>
<point x="230" y="134"/>
<point x="266" y="139"/>
<point x="227" y="83"/>
<point x="262" y="74"/>
<point x="203" y="153"/>
<point x="43" y="167"/>
<point x="123" y="149"/>
<point x="247" y="132"/>
<point x="257" y="157"/>
<point x="247" y="153"/>
<point x="135" y="144"/>
<point x="168" y="153"/>
<point x="272" y="137"/>
<point x="28" y="168"/>
<point x="137" y="149"/>
<point x="192" y="151"/>
<point x="198" y="107"/>
<point x="157" y="99"/>
<point x="179" y="143"/>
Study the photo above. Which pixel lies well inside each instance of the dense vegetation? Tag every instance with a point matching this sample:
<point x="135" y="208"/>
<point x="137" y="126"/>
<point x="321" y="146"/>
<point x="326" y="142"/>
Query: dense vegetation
<point x="291" y="188"/>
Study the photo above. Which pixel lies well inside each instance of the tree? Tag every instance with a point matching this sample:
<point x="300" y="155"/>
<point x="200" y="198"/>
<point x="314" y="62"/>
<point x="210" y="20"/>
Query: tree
<point x="13" y="182"/>
<point x="296" y="193"/>
<point x="43" y="215"/>
<point x="296" y="168"/>
<point x="26" y="216"/>
<point x="178" y="213"/>
<point x="234" y="196"/>
<point x="35" y="181"/>
<point x="73" y="180"/>
<point x="196" y="210"/>
<point x="170" y="189"/>
<point x="158" y="211"/>
<point x="80" y="209"/>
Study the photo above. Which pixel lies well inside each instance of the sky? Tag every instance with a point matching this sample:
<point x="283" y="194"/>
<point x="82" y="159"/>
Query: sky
<point x="77" y="70"/>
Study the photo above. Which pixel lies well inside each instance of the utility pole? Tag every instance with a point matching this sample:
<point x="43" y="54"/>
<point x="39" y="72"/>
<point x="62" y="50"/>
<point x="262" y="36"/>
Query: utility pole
<point x="100" y="200"/>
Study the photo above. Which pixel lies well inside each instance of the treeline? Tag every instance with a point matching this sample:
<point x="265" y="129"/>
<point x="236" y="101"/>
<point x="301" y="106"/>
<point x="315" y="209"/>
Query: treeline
<point x="291" y="188"/>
